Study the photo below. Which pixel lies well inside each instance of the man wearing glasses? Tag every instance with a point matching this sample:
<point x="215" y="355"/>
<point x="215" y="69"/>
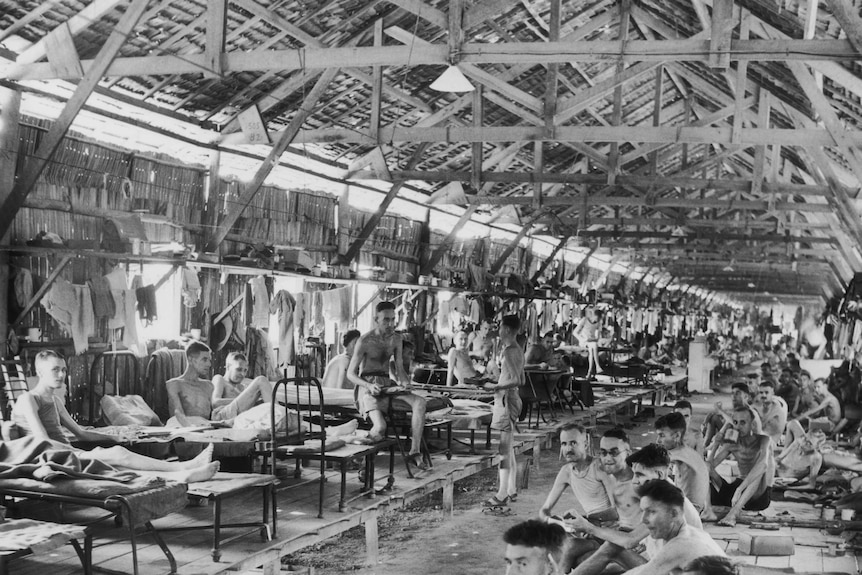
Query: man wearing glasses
<point x="772" y="410"/>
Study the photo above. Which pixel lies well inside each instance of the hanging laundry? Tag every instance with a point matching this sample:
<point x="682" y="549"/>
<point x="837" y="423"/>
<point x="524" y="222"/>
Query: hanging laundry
<point x="299" y="320"/>
<point x="118" y="285"/>
<point x="191" y="288"/>
<point x="259" y="354"/>
<point x="316" y="322"/>
<point x="443" y="311"/>
<point x="72" y="307"/>
<point x="282" y="306"/>
<point x="260" y="309"/>
<point x="335" y="305"/>
<point x="103" y="301"/>
<point x="146" y="297"/>
<point x="23" y="287"/>
<point x="476" y="314"/>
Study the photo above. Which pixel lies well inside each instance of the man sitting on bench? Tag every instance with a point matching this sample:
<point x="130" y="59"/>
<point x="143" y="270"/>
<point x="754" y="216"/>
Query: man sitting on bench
<point x="376" y="392"/>
<point x="190" y="395"/>
<point x="41" y="412"/>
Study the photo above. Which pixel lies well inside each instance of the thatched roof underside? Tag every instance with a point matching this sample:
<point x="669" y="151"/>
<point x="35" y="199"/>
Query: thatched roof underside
<point x="716" y="140"/>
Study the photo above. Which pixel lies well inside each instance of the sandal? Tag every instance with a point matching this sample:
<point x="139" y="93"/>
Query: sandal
<point x="417" y="461"/>
<point x="512" y="498"/>
<point x="494" y="502"/>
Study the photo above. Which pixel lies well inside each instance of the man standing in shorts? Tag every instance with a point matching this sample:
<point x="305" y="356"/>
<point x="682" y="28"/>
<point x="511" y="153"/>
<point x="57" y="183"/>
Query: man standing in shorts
<point x="234" y="393"/>
<point x="375" y="391"/>
<point x="507" y="407"/>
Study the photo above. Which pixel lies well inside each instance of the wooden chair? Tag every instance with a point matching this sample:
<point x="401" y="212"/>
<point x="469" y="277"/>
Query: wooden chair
<point x="13" y="382"/>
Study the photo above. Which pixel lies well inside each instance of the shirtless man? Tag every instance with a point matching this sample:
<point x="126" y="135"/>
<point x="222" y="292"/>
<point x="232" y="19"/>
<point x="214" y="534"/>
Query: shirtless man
<point x="740" y="396"/>
<point x="691" y="473"/>
<point x="827" y="411"/>
<point x="756" y="460"/>
<point x="651" y="462"/>
<point x="190" y="395"/>
<point x="587" y="333"/>
<point x="459" y="365"/>
<point x="693" y="438"/>
<point x="772" y="410"/>
<point x="663" y="506"/>
<point x="234" y="393"/>
<point x="589" y="484"/>
<point x="481" y="342"/>
<point x="41" y="412"/>
<point x="375" y="390"/>
<point x="335" y="374"/>
<point x="802" y="458"/>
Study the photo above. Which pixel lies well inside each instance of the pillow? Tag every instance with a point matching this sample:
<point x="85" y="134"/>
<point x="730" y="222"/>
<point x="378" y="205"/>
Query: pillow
<point x="258" y="417"/>
<point x="127" y="410"/>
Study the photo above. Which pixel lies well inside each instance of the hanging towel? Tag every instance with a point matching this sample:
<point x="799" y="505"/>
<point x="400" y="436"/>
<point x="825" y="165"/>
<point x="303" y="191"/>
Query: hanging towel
<point x="103" y="301"/>
<point x="335" y="304"/>
<point x="259" y="354"/>
<point x="118" y="284"/>
<point x="191" y="288"/>
<point x="260" y="310"/>
<point x="299" y="320"/>
<point x="72" y="308"/>
<point x="282" y="305"/>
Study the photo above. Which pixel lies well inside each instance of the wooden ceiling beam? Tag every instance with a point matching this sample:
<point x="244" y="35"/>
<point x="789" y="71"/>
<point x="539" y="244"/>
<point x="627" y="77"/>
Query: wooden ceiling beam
<point x="661" y="202"/>
<point x="519" y="53"/>
<point x="281" y="143"/>
<point x="804" y="137"/>
<point x="770" y="238"/>
<point x="216" y="29"/>
<point x="629" y="221"/>
<point x="36" y="164"/>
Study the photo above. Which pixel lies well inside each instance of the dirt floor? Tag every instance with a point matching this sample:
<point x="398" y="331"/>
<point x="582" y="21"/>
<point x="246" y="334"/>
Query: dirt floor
<point x="420" y="540"/>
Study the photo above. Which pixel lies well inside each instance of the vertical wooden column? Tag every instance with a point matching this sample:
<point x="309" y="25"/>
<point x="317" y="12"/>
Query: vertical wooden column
<point x="10" y="111"/>
<point x="372" y="552"/>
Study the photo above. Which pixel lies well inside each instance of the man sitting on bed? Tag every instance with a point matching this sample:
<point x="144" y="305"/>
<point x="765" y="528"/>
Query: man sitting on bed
<point x="190" y="395"/>
<point x="41" y="412"/>
<point x="375" y="391"/>
<point x="234" y="393"/>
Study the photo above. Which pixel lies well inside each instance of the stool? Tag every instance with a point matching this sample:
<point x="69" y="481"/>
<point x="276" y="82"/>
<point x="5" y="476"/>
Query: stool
<point x="225" y="485"/>
<point x="343" y="455"/>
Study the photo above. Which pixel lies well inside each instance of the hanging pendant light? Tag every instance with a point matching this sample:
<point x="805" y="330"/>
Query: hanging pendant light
<point x="452" y="80"/>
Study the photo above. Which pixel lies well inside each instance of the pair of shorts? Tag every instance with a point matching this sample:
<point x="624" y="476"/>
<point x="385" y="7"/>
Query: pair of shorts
<point x="368" y="403"/>
<point x="506" y="410"/>
<point x="724" y="496"/>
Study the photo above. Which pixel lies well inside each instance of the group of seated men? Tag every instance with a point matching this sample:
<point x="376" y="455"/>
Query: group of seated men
<point x="644" y="510"/>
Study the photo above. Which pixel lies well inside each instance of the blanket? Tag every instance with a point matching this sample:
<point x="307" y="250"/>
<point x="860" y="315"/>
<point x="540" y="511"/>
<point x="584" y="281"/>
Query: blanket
<point x="46" y="460"/>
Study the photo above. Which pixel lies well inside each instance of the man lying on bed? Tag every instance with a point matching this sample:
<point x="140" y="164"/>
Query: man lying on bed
<point x="41" y="412"/>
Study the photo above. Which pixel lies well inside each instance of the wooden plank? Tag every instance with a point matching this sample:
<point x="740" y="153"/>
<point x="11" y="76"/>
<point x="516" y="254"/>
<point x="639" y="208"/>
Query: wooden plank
<point x="30" y="16"/>
<point x="539" y="166"/>
<point x="215" y="37"/>
<point x="372" y="222"/>
<point x="562" y="243"/>
<point x="284" y="140"/>
<point x="37" y="297"/>
<point x="848" y="17"/>
<point x="37" y="163"/>
<point x="10" y="116"/>
<point x="763" y="110"/>
<point x="720" y="38"/>
<point x="376" y="85"/>
<point x="617" y="115"/>
<point x="372" y="552"/>
<point x="478" y="122"/>
<point x="741" y="81"/>
<point x="498" y="265"/>
<point x="552" y="73"/>
<point x="658" y="98"/>
<point x="62" y="54"/>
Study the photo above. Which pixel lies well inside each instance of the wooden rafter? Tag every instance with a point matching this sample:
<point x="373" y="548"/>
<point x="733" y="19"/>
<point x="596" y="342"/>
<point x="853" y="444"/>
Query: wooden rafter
<point x="446" y="244"/>
<point x="284" y="140"/>
<point x="52" y="140"/>
<point x="562" y="243"/>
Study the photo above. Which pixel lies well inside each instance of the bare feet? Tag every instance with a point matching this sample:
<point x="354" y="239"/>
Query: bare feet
<point x="729" y="520"/>
<point x="202" y="458"/>
<point x="204" y="473"/>
<point x="708" y="515"/>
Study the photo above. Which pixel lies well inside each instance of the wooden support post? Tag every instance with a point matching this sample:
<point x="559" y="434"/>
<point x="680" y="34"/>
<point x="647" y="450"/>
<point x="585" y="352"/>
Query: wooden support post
<point x="372" y="222"/>
<point x="477" y="155"/>
<point x="552" y="73"/>
<point x="719" y="41"/>
<point x="376" y="85"/>
<point x="10" y="116"/>
<point x="741" y="81"/>
<point x="449" y="495"/>
<point x="538" y="166"/>
<point x="616" y="120"/>
<point x="164" y="279"/>
<point x="211" y="216"/>
<point x="849" y="19"/>
<point x="55" y="273"/>
<point x="372" y="551"/>
<point x="763" y="109"/>
<point x="52" y="140"/>
<point x="549" y="259"/>
<point x="216" y="27"/>
<point x="284" y="140"/>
